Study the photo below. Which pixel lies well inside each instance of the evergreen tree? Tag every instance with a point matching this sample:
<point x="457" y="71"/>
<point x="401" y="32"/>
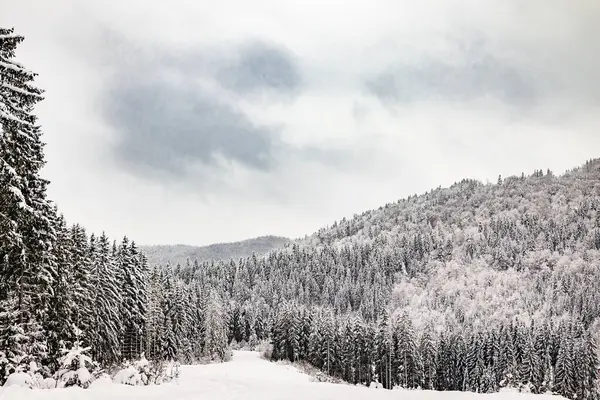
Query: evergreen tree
<point x="27" y="237"/>
<point x="107" y="326"/>
<point x="215" y="328"/>
<point x="427" y="348"/>
<point x="410" y="368"/>
<point x="565" y="379"/>
<point x="60" y="324"/>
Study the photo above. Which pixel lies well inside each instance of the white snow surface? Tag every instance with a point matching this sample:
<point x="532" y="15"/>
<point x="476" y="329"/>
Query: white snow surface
<point x="246" y="376"/>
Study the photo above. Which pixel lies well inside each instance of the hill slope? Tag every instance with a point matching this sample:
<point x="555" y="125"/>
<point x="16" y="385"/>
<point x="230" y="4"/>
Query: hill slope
<point x="526" y="247"/>
<point x="474" y="287"/>
<point x="174" y="254"/>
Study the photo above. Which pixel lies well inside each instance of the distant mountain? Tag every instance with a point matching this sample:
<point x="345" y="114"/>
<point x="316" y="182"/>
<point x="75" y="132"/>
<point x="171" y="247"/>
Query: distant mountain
<point x="173" y="254"/>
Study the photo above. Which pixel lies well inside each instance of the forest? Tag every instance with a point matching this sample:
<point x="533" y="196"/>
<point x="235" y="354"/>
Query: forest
<point x="475" y="287"/>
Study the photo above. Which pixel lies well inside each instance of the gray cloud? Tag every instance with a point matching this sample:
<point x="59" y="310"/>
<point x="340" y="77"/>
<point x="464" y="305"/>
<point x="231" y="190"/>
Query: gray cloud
<point x="168" y="126"/>
<point x="177" y="118"/>
<point x="476" y="72"/>
<point x="261" y="66"/>
<point x="166" y="121"/>
<point x="186" y="72"/>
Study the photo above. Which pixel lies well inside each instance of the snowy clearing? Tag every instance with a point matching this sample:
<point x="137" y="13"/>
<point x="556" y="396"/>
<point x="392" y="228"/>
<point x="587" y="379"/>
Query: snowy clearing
<point x="247" y="376"/>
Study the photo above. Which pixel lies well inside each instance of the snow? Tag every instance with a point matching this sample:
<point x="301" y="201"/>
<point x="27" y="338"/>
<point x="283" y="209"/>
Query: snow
<point x="13" y="118"/>
<point x="48" y="383"/>
<point x="29" y="92"/>
<point x="16" y="67"/>
<point x="18" y="379"/>
<point x="246" y="376"/>
<point x="128" y="376"/>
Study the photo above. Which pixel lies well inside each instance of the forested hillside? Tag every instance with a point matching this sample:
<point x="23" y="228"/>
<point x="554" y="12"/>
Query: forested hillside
<point x="181" y="254"/>
<point x="463" y="274"/>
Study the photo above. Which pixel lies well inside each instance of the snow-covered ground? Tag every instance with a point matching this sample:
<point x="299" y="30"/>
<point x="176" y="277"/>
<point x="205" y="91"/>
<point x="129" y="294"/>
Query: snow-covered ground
<point x="248" y="377"/>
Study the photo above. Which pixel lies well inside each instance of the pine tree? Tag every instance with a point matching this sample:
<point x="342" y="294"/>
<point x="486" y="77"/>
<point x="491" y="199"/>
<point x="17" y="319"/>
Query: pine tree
<point x="107" y="326"/>
<point x="169" y="341"/>
<point x="140" y="277"/>
<point x="155" y="316"/>
<point x="27" y="265"/>
<point x="215" y="328"/>
<point x="427" y="348"/>
<point x="590" y="365"/>
<point x="80" y="282"/>
<point x="133" y="275"/>
<point x="473" y="364"/>
<point x="530" y="364"/>
<point x="315" y="342"/>
<point x="382" y="350"/>
<point x="410" y="368"/>
<point x="542" y="376"/>
<point x="564" y="380"/>
<point x="506" y="364"/>
<point x="59" y="324"/>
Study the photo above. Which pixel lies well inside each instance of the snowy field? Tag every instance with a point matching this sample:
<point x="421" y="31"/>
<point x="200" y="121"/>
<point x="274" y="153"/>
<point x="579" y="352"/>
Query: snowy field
<point x="247" y="376"/>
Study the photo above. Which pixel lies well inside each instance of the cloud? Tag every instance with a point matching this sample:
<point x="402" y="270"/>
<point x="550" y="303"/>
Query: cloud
<point x="260" y="66"/>
<point x="435" y="80"/>
<point x="174" y="111"/>
<point x="474" y="72"/>
<point x="167" y="125"/>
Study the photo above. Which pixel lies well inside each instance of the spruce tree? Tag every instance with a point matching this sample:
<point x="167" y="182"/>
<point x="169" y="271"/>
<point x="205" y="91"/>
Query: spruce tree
<point x="27" y="237"/>
<point x="215" y="328"/>
<point x="107" y="324"/>
<point x="59" y="324"/>
<point x="427" y="348"/>
<point x="564" y="380"/>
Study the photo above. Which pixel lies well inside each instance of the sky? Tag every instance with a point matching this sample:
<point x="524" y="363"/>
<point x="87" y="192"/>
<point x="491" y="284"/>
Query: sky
<point x="197" y="122"/>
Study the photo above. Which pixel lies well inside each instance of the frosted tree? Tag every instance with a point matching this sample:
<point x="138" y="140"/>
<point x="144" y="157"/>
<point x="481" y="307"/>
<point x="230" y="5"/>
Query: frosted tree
<point x="406" y="356"/>
<point x="565" y="377"/>
<point x="155" y="316"/>
<point x="215" y="328"/>
<point x="107" y="325"/>
<point x="529" y="372"/>
<point x="133" y="274"/>
<point x="60" y="323"/>
<point x="27" y="265"/>
<point x="81" y="255"/>
<point x="76" y="367"/>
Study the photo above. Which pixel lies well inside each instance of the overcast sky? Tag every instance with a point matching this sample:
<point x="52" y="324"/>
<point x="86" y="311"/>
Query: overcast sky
<point x="198" y="121"/>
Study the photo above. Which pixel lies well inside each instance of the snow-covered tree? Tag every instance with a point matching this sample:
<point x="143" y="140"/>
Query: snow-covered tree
<point x="215" y="328"/>
<point x="27" y="264"/>
<point x="76" y="367"/>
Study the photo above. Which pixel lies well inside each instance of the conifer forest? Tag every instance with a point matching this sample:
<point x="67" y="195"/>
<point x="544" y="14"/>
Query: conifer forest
<point x="474" y="287"/>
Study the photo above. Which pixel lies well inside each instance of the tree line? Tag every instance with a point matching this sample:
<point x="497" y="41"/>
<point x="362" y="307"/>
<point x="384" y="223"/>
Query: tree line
<point x="60" y="286"/>
<point x="559" y="358"/>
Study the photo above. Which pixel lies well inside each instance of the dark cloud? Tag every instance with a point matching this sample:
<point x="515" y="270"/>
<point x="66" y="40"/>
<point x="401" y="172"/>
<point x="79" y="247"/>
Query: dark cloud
<point x="174" y="120"/>
<point x="477" y="73"/>
<point x="167" y="123"/>
<point x="260" y="66"/>
<point x="168" y="126"/>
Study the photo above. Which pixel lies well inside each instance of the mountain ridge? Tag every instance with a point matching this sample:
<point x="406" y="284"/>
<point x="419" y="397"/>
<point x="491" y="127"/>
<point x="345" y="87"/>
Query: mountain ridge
<point x="180" y="253"/>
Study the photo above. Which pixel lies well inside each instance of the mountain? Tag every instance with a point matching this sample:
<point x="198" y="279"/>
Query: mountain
<point x="468" y="255"/>
<point x="180" y="253"/>
<point x="473" y="287"/>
